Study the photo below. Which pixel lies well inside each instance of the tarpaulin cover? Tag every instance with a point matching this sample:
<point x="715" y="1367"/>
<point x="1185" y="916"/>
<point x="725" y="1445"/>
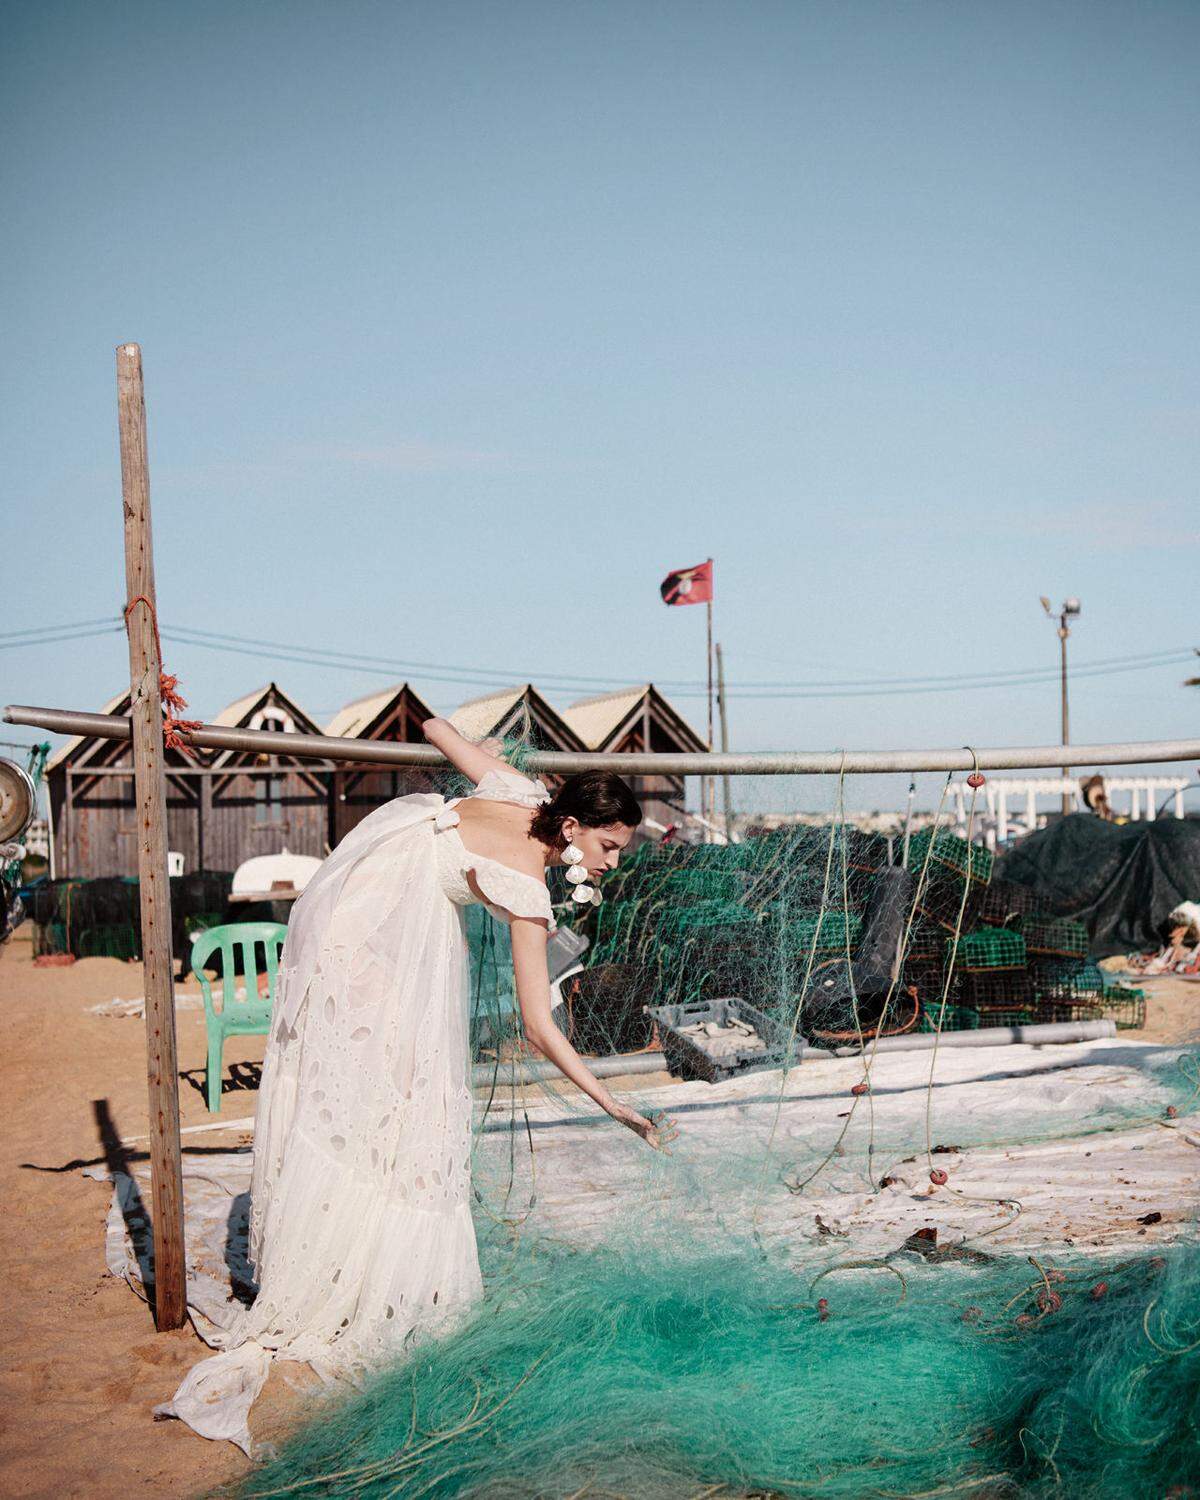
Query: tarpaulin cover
<point x="1120" y="880"/>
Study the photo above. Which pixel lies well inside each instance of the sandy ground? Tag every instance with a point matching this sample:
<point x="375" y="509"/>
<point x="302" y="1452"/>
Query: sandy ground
<point x="82" y="1364"/>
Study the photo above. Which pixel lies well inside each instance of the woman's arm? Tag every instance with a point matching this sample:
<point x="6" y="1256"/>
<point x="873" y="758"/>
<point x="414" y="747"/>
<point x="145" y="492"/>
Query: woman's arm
<point x="472" y="760"/>
<point x="533" y="997"/>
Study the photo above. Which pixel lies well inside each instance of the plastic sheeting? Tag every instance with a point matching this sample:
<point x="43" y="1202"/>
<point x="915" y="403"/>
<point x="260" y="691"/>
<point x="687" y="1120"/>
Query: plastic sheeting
<point x="1120" y="880"/>
<point x="1062" y="1197"/>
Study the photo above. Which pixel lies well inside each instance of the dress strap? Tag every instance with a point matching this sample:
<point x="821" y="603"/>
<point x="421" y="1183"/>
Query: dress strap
<point x="511" y="786"/>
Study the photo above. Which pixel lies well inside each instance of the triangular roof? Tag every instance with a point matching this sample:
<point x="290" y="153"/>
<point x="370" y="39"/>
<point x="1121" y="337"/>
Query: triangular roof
<point x="357" y="719"/>
<point x="241" y="712"/>
<point x="85" y="742"/>
<point x="603" y="721"/>
<point x="510" y="711"/>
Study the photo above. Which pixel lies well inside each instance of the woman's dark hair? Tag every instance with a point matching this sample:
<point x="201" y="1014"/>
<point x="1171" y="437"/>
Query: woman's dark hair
<point x="595" y="798"/>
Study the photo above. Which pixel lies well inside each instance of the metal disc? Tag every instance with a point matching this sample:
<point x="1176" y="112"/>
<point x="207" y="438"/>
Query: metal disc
<point x="18" y="800"/>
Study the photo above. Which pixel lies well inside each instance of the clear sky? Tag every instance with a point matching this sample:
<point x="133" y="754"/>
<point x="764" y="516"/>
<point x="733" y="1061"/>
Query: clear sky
<point x="464" y="323"/>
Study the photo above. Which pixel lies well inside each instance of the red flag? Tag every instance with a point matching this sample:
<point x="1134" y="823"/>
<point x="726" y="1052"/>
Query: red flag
<point x="688" y="585"/>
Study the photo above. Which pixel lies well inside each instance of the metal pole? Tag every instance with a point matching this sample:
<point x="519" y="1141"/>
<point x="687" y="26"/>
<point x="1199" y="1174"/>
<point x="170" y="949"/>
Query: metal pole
<point x="908" y="813"/>
<point x="150" y="799"/>
<point x="724" y="742"/>
<point x="759" y="763"/>
<point x="1063" y="632"/>
<point x="707" y="799"/>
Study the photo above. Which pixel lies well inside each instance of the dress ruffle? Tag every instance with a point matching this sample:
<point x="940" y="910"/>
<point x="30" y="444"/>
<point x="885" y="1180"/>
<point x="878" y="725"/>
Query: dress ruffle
<point x="511" y="786"/>
<point x="511" y="893"/>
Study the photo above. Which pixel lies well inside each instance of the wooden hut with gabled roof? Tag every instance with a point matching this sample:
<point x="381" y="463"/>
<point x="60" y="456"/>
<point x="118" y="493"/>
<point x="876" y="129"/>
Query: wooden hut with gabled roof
<point x="639" y="719"/>
<point x="262" y="804"/>
<point x="520" y="712"/>
<point x="93" y="814"/>
<point x="394" y="714"/>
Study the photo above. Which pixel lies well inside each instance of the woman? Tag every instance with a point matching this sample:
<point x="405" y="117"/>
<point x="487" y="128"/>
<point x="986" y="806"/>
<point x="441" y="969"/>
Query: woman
<point x="360" y="1220"/>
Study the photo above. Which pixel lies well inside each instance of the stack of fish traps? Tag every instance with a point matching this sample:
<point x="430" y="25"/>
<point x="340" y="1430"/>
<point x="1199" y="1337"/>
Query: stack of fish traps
<point x="684" y="924"/>
<point x="1013" y="962"/>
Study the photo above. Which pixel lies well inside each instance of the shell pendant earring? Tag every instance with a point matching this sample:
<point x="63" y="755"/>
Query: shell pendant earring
<point x="572" y="857"/>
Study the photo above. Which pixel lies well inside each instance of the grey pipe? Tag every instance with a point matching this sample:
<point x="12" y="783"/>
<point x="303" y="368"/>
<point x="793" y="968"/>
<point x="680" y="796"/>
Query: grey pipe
<point x="768" y="763"/>
<point x="484" y="1074"/>
<point x="1043" y="1033"/>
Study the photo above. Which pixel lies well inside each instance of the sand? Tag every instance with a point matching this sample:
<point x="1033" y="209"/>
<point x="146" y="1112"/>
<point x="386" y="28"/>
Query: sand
<point x="82" y="1364"/>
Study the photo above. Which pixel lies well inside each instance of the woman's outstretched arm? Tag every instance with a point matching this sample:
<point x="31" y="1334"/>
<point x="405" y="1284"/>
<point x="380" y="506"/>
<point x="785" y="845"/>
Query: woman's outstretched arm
<point x="533" y="997"/>
<point x="463" y="754"/>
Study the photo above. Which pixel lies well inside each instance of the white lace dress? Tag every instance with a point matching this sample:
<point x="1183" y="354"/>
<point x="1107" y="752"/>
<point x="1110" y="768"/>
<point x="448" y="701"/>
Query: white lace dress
<point x="360" y="1223"/>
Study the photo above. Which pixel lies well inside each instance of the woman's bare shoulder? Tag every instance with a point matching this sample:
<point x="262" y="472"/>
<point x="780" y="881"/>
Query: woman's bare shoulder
<point x="500" y="830"/>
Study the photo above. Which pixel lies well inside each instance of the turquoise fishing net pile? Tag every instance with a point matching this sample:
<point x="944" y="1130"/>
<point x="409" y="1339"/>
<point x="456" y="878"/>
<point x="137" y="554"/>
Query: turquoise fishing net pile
<point x="675" y="1339"/>
<point x="658" y="1376"/>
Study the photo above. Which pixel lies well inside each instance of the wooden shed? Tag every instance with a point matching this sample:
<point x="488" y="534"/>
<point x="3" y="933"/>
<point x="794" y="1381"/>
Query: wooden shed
<point x="639" y="719"/>
<point x="93" y="816"/>
<point x="394" y="714"/>
<point x="263" y="804"/>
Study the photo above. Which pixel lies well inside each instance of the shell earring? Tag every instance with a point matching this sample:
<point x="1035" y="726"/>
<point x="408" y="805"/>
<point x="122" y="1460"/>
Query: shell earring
<point x="572" y="857"/>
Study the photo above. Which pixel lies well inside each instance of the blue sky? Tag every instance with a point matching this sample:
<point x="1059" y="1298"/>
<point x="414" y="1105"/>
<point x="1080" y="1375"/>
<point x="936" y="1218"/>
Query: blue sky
<point x="463" y="323"/>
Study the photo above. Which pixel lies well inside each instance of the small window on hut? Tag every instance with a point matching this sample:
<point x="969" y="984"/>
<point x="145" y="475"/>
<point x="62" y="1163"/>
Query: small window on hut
<point x="268" y="799"/>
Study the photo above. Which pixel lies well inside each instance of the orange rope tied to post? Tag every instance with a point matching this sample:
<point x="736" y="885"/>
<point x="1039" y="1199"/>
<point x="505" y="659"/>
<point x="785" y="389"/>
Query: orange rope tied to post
<point x="168" y="686"/>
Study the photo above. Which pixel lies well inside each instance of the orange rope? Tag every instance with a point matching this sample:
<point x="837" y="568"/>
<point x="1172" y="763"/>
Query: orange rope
<point x="168" y="687"/>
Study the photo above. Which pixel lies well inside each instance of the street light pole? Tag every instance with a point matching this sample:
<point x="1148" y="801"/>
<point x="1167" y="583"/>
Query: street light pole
<point x="1070" y="607"/>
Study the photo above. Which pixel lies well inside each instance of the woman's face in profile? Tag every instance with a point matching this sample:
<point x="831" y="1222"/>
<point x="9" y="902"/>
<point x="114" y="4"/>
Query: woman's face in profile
<point x="601" y="846"/>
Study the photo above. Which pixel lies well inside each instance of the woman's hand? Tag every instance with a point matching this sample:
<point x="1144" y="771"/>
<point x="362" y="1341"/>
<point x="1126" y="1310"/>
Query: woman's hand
<point x="658" y="1131"/>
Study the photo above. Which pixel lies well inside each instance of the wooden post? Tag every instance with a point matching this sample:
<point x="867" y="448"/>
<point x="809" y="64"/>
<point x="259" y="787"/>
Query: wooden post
<point x="728" y="796"/>
<point x="708" y="800"/>
<point x="150" y="799"/>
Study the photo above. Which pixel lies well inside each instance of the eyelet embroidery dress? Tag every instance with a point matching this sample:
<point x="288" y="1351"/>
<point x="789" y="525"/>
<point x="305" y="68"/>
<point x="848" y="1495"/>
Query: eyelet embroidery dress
<point x="360" y="1221"/>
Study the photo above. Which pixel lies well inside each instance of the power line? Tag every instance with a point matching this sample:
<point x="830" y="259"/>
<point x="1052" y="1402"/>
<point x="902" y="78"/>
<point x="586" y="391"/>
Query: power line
<point x="12" y="635"/>
<point x="54" y="640"/>
<point x="453" y="672"/>
<point x="749" y="689"/>
<point x="912" y="687"/>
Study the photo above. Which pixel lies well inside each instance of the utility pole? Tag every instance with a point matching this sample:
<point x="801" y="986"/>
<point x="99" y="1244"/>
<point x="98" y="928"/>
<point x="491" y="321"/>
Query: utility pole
<point x="724" y="742"/>
<point x="1071" y="608"/>
<point x="154" y="886"/>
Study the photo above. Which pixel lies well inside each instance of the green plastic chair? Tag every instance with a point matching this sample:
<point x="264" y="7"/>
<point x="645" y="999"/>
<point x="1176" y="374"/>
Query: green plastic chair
<point x="239" y="944"/>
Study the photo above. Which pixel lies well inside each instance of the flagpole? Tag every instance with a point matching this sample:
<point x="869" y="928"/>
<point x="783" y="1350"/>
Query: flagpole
<point x="708" y="800"/>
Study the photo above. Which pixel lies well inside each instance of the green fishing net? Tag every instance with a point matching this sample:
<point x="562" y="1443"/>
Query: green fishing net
<point x="766" y="1310"/>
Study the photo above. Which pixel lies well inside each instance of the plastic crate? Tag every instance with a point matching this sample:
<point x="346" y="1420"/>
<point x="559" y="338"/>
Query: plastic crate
<point x="1056" y="937"/>
<point x="990" y="948"/>
<point x="970" y="861"/>
<point x="698" y="1057"/>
